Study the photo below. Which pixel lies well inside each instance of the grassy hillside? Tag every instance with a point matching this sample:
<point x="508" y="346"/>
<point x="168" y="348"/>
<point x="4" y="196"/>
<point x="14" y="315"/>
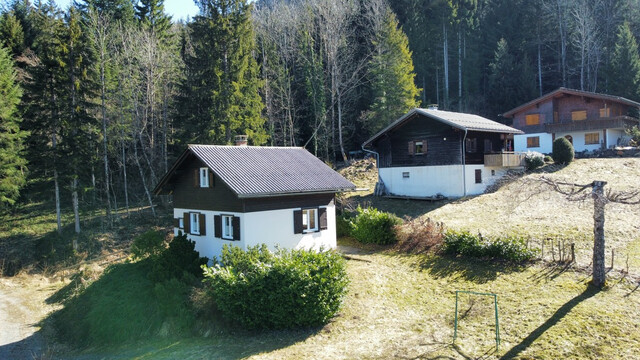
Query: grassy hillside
<point x="524" y="207"/>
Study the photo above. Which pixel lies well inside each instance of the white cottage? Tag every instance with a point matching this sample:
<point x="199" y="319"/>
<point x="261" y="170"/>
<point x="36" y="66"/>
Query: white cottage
<point x="247" y="195"/>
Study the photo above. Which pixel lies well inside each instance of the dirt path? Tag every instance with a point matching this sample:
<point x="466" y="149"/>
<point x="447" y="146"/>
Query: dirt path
<point x="21" y="308"/>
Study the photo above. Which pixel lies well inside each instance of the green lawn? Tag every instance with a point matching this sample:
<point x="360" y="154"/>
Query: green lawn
<point x="403" y="306"/>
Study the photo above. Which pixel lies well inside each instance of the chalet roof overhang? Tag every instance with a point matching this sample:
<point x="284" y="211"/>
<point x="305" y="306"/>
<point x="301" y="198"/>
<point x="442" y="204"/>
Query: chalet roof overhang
<point x="258" y="172"/>
<point x="462" y="121"/>
<point x="565" y="92"/>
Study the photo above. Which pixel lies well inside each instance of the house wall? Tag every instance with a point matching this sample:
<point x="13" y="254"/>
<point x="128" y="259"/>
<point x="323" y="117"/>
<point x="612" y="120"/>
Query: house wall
<point x="613" y="136"/>
<point x="276" y="227"/>
<point x="446" y="180"/>
<point x="544" y="108"/>
<point x="442" y="144"/>
<point x="546" y="143"/>
<point x="272" y="227"/>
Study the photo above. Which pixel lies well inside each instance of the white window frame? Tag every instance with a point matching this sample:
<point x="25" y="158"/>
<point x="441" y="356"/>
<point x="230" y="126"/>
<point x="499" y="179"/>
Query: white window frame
<point x="420" y="145"/>
<point x="227" y="227"/>
<point x="180" y="223"/>
<point x="306" y="226"/>
<point x="204" y="177"/>
<point x="194" y="218"/>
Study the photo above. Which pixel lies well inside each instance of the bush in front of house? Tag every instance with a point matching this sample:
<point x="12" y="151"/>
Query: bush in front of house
<point x="563" y="152"/>
<point x="180" y="259"/>
<point x="343" y="225"/>
<point x="285" y="289"/>
<point x="533" y="160"/>
<point x="150" y="243"/>
<point x="375" y="227"/>
<point x="512" y="248"/>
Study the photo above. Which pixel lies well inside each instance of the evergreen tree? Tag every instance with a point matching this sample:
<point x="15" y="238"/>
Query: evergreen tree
<point x="11" y="33"/>
<point x="392" y="75"/>
<point x="624" y="72"/>
<point x="220" y="96"/>
<point x="151" y="14"/>
<point x="12" y="161"/>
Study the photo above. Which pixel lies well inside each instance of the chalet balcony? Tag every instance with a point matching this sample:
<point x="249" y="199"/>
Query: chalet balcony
<point x="567" y="125"/>
<point x="504" y="159"/>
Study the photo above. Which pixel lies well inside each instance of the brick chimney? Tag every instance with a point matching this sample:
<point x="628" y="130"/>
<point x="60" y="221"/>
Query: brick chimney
<point x="241" y="140"/>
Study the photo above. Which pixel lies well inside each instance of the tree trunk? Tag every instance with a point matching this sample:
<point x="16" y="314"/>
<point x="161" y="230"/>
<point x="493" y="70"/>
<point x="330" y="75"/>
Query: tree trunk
<point x="74" y="199"/>
<point x="599" y="202"/>
<point x="104" y="134"/>
<point x="460" y="70"/>
<point x="539" y="69"/>
<point x="57" y="190"/>
<point x="446" y="66"/>
<point x="144" y="182"/>
<point x="344" y="155"/>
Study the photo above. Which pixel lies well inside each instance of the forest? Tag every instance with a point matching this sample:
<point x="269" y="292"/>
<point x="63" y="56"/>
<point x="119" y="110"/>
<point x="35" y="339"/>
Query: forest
<point x="99" y="98"/>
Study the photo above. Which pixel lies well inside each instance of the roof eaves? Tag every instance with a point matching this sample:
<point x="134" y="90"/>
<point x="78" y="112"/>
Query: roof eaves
<point x="390" y="126"/>
<point x="156" y="190"/>
<point x="292" y="193"/>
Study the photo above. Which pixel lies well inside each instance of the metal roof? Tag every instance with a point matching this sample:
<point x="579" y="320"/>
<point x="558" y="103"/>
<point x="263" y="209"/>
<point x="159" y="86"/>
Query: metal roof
<point x="458" y="120"/>
<point x="257" y="171"/>
<point x="562" y="91"/>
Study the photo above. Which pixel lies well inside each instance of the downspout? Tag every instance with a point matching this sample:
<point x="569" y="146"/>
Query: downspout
<point x="464" y="167"/>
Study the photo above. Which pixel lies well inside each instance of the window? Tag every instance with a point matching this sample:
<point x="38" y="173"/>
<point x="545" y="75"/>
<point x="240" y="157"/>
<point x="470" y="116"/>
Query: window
<point x="478" y="176"/>
<point x="605" y="112"/>
<point x="471" y="145"/>
<point x="578" y="115"/>
<point x="592" y="138"/>
<point x="204" y="177"/>
<point x="227" y="227"/>
<point x="181" y="223"/>
<point x="533" y="142"/>
<point x="309" y="220"/>
<point x="195" y="223"/>
<point x="405" y="175"/>
<point x="532" y="119"/>
<point x="418" y="148"/>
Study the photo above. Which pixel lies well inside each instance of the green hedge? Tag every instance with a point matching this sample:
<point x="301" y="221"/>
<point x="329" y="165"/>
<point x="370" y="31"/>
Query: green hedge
<point x="563" y="152"/>
<point x="373" y="226"/>
<point x="510" y="248"/>
<point x="286" y="289"/>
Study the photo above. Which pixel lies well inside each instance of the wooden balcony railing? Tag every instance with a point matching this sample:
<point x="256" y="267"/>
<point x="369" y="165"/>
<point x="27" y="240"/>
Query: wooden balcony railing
<point x="504" y="159"/>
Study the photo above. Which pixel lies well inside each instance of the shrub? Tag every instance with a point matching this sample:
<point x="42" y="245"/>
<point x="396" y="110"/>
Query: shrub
<point x="548" y="159"/>
<point x="373" y="226"/>
<point x="343" y="226"/>
<point x="150" y="243"/>
<point x="178" y="260"/>
<point x="288" y="289"/>
<point x="563" y="152"/>
<point x="510" y="248"/>
<point x="533" y="160"/>
<point x="634" y="133"/>
<point x="420" y="235"/>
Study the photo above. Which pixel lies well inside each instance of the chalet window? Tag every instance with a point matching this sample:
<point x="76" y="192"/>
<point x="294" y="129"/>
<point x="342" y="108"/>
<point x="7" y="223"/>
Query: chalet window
<point x="204" y="177"/>
<point x="478" y="176"/>
<point x="405" y="174"/>
<point x="195" y="224"/>
<point x="578" y="115"/>
<point x="309" y="220"/>
<point x="532" y="119"/>
<point x="226" y="227"/>
<point x="471" y="145"/>
<point x="181" y="223"/>
<point x="533" y="141"/>
<point x="417" y="147"/>
<point x="605" y="112"/>
<point x="592" y="138"/>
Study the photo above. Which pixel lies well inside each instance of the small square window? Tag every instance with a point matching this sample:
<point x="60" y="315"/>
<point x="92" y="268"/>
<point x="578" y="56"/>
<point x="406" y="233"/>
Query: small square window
<point x="405" y="175"/>
<point x="533" y="142"/>
<point x="204" y="177"/>
<point x="309" y="220"/>
<point x="419" y="148"/>
<point x="478" y="176"/>
<point x="227" y="227"/>
<point x="592" y="138"/>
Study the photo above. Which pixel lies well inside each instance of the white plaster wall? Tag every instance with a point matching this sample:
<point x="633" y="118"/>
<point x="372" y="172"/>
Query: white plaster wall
<point x="208" y="245"/>
<point x="269" y="227"/>
<point x="613" y="135"/>
<point x="424" y="180"/>
<point x="546" y="143"/>
<point x="487" y="178"/>
<point x="276" y="228"/>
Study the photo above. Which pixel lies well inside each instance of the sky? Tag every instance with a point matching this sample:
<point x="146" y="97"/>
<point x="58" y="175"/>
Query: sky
<point x="178" y="9"/>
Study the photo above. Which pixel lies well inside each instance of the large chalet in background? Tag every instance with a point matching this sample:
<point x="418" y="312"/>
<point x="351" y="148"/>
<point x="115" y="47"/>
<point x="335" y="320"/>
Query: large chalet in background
<point x="590" y="121"/>
<point x="429" y="152"/>
<point x="249" y="195"/>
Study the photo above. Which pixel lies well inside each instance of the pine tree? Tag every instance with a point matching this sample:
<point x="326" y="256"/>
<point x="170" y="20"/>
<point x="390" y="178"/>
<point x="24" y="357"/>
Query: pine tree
<point x="12" y="161"/>
<point x="151" y="14"/>
<point x="11" y="33"/>
<point x="624" y="72"/>
<point x="392" y="75"/>
<point x="220" y="96"/>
